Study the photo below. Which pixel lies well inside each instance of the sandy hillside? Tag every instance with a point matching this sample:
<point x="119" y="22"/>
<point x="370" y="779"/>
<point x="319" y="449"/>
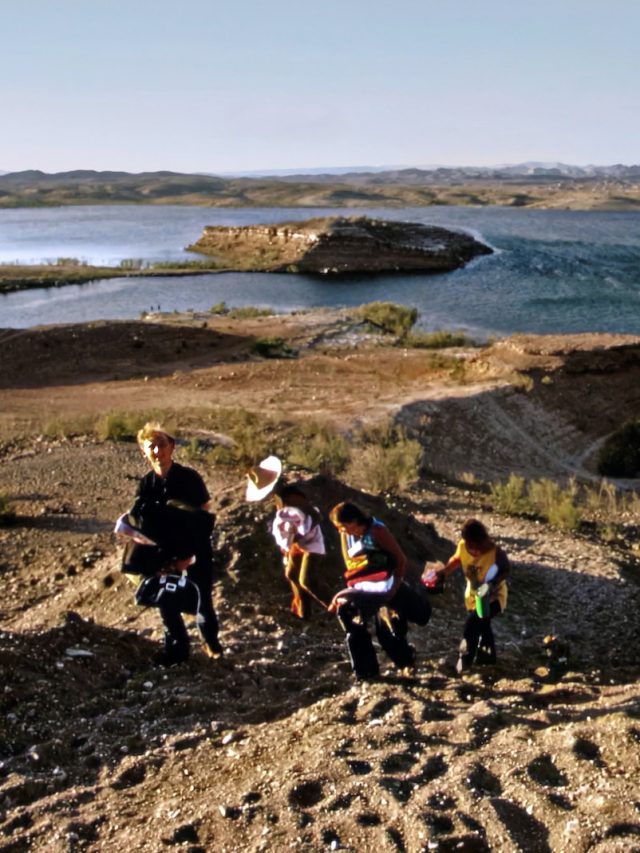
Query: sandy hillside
<point x="275" y="748"/>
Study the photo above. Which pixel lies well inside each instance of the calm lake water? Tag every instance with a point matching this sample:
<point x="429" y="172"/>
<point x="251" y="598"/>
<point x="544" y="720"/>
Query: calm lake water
<point x="553" y="271"/>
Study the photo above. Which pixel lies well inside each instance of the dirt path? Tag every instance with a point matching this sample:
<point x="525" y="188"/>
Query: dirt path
<point x="274" y="748"/>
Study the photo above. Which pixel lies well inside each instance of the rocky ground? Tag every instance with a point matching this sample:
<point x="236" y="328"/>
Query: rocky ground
<point x="274" y="747"/>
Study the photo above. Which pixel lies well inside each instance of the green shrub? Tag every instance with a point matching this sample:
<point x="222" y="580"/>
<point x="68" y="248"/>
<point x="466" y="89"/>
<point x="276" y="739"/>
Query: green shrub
<point x="123" y="426"/>
<point x="385" y="460"/>
<point x="66" y="427"/>
<point x="273" y="348"/>
<point x="318" y="447"/>
<point x="509" y="497"/>
<point x="193" y="451"/>
<point x="559" y="506"/>
<point x="388" y="317"/>
<point x="619" y="456"/>
<point x="249" y="311"/>
<point x="69" y="262"/>
<point x="251" y="435"/>
<point x="219" y="308"/>
<point x="522" y="382"/>
<point x="436" y="340"/>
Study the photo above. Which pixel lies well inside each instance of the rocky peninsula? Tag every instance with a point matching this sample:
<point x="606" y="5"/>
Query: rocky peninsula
<point x="334" y="245"/>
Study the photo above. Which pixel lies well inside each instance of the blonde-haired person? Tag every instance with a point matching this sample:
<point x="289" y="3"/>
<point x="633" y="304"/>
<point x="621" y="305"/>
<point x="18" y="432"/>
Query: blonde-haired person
<point x="172" y="508"/>
<point x="486" y="568"/>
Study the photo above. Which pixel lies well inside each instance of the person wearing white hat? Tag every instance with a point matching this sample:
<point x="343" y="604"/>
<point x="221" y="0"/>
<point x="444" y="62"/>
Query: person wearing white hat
<point x="297" y="532"/>
<point x="295" y="528"/>
<point x="262" y="479"/>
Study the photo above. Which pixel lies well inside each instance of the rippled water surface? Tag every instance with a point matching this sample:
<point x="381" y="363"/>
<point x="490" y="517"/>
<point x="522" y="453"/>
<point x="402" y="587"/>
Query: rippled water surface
<point x="553" y="271"/>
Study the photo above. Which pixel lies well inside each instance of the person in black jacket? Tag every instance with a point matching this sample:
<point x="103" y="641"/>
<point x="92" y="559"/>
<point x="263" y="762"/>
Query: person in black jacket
<point x="172" y="509"/>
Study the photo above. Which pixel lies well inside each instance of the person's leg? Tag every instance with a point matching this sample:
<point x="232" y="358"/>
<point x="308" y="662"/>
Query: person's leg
<point x="413" y="604"/>
<point x="362" y="655"/>
<point x="295" y="570"/>
<point x="486" y="653"/>
<point x="198" y="601"/>
<point x="176" y="639"/>
<point x="391" y="631"/>
<point x="469" y="643"/>
<point x="392" y="624"/>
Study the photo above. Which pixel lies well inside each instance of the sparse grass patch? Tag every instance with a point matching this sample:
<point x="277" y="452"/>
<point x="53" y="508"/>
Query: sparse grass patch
<point x="206" y="266"/>
<point x="273" y="348"/>
<point x="388" y="318"/>
<point x="558" y="505"/>
<point x="123" y="426"/>
<point x="437" y="340"/>
<point x="546" y="498"/>
<point x="509" y="497"/>
<point x="248" y="312"/>
<point x="319" y="447"/>
<point x="385" y="460"/>
<point x="69" y="426"/>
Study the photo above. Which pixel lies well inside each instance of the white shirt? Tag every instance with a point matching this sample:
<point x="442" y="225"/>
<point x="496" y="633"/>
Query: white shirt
<point x="293" y="525"/>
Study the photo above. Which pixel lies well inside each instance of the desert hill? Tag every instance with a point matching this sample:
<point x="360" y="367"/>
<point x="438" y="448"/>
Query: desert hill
<point x="613" y="187"/>
<point x="274" y="747"/>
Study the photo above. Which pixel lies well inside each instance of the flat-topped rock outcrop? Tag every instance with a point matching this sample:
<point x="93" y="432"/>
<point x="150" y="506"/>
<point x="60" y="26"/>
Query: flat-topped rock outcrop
<point x="334" y="245"/>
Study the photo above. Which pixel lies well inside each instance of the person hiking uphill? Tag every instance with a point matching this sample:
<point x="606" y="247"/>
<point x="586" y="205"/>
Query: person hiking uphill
<point x="295" y="528"/>
<point x="375" y="570"/>
<point x="171" y="510"/>
<point x="486" y="568"/>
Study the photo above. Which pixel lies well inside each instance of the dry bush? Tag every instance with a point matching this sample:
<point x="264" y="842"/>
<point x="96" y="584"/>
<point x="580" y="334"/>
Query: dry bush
<point x="385" y="460"/>
<point x="319" y="447"/>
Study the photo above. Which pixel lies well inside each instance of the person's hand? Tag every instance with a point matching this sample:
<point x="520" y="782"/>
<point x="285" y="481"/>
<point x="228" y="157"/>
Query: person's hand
<point x="336" y="602"/>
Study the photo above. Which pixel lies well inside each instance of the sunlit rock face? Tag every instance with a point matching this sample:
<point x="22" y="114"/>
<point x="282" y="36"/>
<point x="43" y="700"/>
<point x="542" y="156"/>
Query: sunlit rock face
<point x="335" y="245"/>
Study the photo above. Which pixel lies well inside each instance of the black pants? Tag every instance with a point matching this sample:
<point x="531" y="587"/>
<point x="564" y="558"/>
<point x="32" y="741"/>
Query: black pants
<point x="478" y="639"/>
<point x="391" y="625"/>
<point x="193" y="598"/>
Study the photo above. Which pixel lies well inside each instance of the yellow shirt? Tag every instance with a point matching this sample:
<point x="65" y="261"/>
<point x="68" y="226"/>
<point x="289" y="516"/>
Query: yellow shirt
<point x="475" y="569"/>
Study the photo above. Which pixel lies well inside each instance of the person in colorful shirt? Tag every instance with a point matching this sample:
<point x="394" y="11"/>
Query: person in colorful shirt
<point x="486" y="568"/>
<point x="375" y="588"/>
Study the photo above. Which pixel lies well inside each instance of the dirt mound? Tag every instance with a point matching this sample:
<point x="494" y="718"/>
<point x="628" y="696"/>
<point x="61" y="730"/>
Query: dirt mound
<point x="274" y="747"/>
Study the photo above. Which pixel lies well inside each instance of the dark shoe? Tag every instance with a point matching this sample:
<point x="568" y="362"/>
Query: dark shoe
<point x="486" y="657"/>
<point x="367" y="679"/>
<point x="171" y="657"/>
<point x="213" y="649"/>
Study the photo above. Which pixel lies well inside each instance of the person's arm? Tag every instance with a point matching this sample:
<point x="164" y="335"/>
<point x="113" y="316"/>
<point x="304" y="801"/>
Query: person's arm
<point x="387" y="542"/>
<point x="504" y="567"/>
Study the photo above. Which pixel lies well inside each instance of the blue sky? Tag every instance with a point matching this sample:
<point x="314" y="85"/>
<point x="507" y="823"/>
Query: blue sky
<point x="220" y="86"/>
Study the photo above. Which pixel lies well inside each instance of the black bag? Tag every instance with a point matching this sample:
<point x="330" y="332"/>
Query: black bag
<point x="152" y="589"/>
<point x="145" y="560"/>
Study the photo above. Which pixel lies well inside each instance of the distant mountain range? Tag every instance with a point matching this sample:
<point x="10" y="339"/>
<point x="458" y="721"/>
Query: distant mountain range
<point x="438" y="173"/>
<point x="377" y="174"/>
<point x="524" y="185"/>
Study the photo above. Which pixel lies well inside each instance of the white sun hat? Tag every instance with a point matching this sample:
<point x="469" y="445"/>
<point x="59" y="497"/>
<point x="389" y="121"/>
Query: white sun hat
<point x="262" y="479"/>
